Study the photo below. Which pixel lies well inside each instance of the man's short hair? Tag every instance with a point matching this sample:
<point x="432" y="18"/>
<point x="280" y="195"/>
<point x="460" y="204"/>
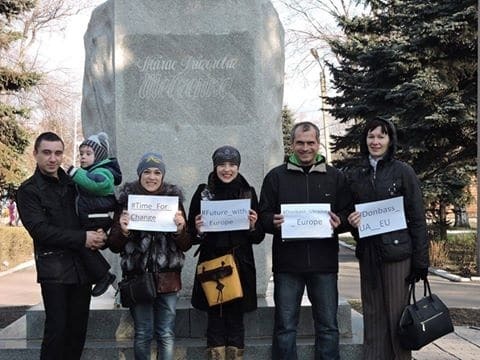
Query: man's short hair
<point x="304" y="126"/>
<point x="47" y="136"/>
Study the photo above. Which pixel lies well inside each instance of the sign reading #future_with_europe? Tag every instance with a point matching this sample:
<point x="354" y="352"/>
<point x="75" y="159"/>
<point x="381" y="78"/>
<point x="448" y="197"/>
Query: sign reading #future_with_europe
<point x="225" y="215"/>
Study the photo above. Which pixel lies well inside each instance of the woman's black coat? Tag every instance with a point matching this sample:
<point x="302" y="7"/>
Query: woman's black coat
<point x="392" y="178"/>
<point x="216" y="244"/>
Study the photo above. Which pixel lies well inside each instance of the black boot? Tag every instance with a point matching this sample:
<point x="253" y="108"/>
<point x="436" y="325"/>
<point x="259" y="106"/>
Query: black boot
<point x="102" y="285"/>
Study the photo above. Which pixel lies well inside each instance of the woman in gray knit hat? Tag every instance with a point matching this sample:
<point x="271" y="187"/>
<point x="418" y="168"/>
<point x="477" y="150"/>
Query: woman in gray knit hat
<point x="225" y="328"/>
<point x="158" y="252"/>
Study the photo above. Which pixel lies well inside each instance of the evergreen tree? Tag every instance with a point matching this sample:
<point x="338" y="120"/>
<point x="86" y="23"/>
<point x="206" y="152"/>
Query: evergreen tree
<point x="287" y="124"/>
<point x="14" y="79"/>
<point x="416" y="64"/>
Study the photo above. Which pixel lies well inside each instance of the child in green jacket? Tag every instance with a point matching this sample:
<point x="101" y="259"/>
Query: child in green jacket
<point x="96" y="180"/>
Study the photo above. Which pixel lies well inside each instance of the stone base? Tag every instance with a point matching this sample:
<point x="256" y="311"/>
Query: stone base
<point x="110" y="333"/>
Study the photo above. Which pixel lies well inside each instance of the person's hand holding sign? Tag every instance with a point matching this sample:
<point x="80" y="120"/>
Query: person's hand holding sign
<point x="334" y="220"/>
<point x="252" y="218"/>
<point x="354" y="219"/>
<point x="124" y="220"/>
<point x="199" y="224"/>
<point x="179" y="221"/>
<point x="278" y="220"/>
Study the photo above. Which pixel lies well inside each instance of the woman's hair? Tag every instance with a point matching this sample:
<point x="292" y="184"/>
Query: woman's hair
<point x="387" y="127"/>
<point x="372" y="125"/>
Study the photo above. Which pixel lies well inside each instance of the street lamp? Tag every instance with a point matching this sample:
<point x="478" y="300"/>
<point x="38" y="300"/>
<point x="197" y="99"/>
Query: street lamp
<point x="323" y="93"/>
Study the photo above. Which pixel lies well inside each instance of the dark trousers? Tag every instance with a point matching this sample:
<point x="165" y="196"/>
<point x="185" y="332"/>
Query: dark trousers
<point x="225" y="326"/>
<point x="95" y="264"/>
<point x="382" y="308"/>
<point x="66" y="319"/>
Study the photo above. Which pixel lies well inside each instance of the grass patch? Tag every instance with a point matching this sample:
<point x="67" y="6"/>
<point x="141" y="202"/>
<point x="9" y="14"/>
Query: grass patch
<point x="16" y="246"/>
<point x="356" y="305"/>
<point x="457" y="254"/>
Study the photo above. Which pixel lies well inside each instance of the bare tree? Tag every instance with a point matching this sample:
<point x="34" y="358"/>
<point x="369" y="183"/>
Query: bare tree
<point x="310" y="24"/>
<point x="47" y="16"/>
<point x="54" y="102"/>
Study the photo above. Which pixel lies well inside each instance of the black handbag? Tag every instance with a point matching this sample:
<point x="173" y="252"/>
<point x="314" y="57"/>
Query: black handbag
<point x="137" y="290"/>
<point x="423" y="321"/>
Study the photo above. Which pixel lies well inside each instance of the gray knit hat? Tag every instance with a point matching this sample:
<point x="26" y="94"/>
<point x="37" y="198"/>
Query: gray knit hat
<point x="151" y="160"/>
<point x="224" y="154"/>
<point x="99" y="144"/>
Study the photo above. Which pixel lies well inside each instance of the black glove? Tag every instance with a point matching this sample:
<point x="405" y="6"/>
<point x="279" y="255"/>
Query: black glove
<point x="417" y="274"/>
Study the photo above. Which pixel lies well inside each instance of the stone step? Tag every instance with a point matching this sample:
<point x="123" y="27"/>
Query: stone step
<point x="185" y="349"/>
<point x="109" y="322"/>
<point x="110" y="333"/>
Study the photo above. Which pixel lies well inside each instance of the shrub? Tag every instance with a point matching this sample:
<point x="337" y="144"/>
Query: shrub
<point x="438" y="253"/>
<point x="16" y="246"/>
<point x="462" y="250"/>
<point x="456" y="254"/>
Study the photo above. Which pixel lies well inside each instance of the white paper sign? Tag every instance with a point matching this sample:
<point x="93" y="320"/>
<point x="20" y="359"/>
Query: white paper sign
<point x="152" y="213"/>
<point x="306" y="221"/>
<point x="379" y="217"/>
<point x="225" y="215"/>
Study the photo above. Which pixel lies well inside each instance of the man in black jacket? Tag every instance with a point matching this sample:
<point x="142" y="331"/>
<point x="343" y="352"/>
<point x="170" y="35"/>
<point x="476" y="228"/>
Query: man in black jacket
<point x="305" y="178"/>
<point x="46" y="204"/>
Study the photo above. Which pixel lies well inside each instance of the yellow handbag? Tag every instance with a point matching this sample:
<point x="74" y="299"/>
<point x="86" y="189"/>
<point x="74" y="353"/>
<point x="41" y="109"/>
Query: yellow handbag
<point x="220" y="280"/>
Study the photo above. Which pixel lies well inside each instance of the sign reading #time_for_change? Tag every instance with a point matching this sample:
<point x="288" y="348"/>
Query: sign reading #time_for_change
<point x="379" y="217"/>
<point x="305" y="221"/>
<point x="225" y="215"/>
<point x="152" y="213"/>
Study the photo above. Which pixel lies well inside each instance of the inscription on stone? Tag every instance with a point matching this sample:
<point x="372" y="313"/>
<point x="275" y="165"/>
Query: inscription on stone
<point x="207" y="75"/>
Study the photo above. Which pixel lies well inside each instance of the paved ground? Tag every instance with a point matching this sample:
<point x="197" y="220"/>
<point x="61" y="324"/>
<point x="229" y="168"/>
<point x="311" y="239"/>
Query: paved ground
<point x="463" y="344"/>
<point x="454" y="294"/>
<point x="19" y="288"/>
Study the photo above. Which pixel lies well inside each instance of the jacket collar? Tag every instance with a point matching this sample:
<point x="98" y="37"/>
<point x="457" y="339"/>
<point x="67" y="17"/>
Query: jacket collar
<point x="43" y="180"/>
<point x="319" y="165"/>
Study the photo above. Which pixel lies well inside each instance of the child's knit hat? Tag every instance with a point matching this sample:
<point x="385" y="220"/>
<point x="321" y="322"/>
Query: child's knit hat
<point x="99" y="144"/>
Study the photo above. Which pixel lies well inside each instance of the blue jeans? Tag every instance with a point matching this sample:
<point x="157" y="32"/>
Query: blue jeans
<point x="157" y="318"/>
<point x="323" y="295"/>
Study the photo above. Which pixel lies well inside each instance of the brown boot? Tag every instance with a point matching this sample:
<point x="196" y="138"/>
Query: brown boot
<point x="216" y="353"/>
<point x="234" y="353"/>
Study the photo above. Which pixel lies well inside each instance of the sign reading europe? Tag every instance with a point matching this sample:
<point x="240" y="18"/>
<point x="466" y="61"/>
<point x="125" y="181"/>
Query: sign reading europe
<point x="152" y="213"/>
<point x="305" y="221"/>
<point x="225" y="215"/>
<point x="378" y="217"/>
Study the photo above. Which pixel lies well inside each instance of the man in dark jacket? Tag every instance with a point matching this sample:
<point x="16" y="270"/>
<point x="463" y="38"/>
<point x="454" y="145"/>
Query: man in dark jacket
<point x="46" y="204"/>
<point x="304" y="262"/>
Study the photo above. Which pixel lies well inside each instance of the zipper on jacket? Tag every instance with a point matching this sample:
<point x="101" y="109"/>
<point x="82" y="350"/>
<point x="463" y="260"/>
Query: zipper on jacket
<point x="309" y="262"/>
<point x="427" y="320"/>
<point x="373" y="177"/>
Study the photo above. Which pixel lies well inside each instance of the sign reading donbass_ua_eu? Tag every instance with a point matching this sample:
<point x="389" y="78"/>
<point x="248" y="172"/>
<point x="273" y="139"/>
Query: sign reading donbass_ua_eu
<point x="225" y="215"/>
<point x="152" y="213"/>
<point x="379" y="217"/>
<point x="305" y="221"/>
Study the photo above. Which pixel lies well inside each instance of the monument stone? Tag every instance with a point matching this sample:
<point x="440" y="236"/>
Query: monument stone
<point x="183" y="77"/>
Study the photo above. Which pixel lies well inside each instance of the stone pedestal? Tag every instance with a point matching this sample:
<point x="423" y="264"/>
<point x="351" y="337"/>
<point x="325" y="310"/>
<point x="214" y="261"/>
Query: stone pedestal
<point x="183" y="78"/>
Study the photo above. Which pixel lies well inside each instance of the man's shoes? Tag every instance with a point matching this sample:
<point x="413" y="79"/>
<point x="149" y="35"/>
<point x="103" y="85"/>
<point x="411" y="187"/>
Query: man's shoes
<point x="102" y="285"/>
